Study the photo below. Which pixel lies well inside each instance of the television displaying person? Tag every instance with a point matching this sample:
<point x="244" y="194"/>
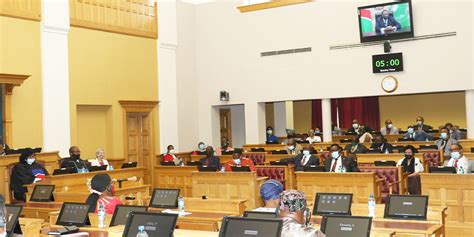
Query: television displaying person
<point x="386" y="24"/>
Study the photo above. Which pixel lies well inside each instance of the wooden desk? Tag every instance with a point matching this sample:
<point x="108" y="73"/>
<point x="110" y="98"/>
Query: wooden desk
<point x="457" y="193"/>
<point x="175" y="177"/>
<point x="31" y="227"/>
<point x="40" y="210"/>
<point x="229" y="185"/>
<point x="116" y="162"/>
<point x="366" y="159"/>
<point x="360" y="184"/>
<point x="50" y="162"/>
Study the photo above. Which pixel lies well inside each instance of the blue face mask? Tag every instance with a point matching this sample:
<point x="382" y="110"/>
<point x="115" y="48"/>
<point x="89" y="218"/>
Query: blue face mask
<point x="444" y="135"/>
<point x="335" y="154"/>
<point x="410" y="130"/>
<point x="201" y="146"/>
<point x="237" y="161"/>
<point x="306" y="152"/>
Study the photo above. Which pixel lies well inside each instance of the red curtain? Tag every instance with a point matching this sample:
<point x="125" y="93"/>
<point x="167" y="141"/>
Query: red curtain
<point x="364" y="109"/>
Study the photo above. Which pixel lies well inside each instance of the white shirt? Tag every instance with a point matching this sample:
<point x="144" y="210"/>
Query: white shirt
<point x="338" y="164"/>
<point x="462" y="162"/>
<point x="314" y="139"/>
<point x="418" y="165"/>
<point x="95" y="162"/>
<point x="305" y="159"/>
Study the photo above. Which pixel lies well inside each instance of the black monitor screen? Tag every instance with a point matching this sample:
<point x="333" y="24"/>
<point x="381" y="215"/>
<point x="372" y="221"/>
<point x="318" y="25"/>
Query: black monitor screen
<point x="73" y="214"/>
<point x="406" y="207"/>
<point x="164" y="198"/>
<point x="242" y="226"/>
<point x="13" y="213"/>
<point x="155" y="224"/>
<point x="122" y="212"/>
<point x="261" y="214"/>
<point x="333" y="203"/>
<point x="42" y="193"/>
<point x="346" y="226"/>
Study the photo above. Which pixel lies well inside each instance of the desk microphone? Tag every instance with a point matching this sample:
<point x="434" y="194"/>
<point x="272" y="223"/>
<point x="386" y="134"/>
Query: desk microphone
<point x="133" y="178"/>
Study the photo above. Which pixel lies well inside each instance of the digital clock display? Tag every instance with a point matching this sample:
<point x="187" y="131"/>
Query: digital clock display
<point x="387" y="63"/>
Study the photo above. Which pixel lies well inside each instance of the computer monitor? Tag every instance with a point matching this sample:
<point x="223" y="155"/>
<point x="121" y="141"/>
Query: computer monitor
<point x="155" y="224"/>
<point x="332" y="204"/>
<point x="129" y="165"/>
<point x="257" y="149"/>
<point x="346" y="226"/>
<point x="240" y="168"/>
<point x="13" y="213"/>
<point x="412" y="207"/>
<point x="42" y="193"/>
<point x="164" y="198"/>
<point x="73" y="214"/>
<point x="70" y="170"/>
<point x="406" y="139"/>
<point x="314" y="168"/>
<point x="201" y="153"/>
<point x="428" y="147"/>
<point x="167" y="163"/>
<point x="261" y="214"/>
<point x="442" y="169"/>
<point x="279" y="152"/>
<point x="385" y="163"/>
<point x="122" y="212"/>
<point x="244" y="226"/>
<point x="279" y="162"/>
<point x="272" y="142"/>
<point x="194" y="163"/>
<point x="207" y="168"/>
<point x="97" y="168"/>
<point x="227" y="152"/>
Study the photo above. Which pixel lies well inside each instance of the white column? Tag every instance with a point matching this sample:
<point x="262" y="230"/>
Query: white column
<point x="55" y="76"/>
<point x="167" y="89"/>
<point x="255" y="123"/>
<point x="469" y="94"/>
<point x="290" y="122"/>
<point x="326" y="114"/>
<point x="279" y="111"/>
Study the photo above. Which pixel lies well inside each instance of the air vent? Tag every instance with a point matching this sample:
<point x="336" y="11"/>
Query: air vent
<point x="286" y="51"/>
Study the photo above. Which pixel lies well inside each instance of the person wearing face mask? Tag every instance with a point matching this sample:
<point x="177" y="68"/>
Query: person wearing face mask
<point x="445" y="142"/>
<point x="102" y="193"/>
<point x="99" y="158"/>
<point x="355" y="147"/>
<point x="292" y="147"/>
<point x="296" y="215"/>
<point x="337" y="163"/>
<point x="381" y="145"/>
<point x="312" y="138"/>
<point x="74" y="160"/>
<point x="454" y="131"/>
<point x="389" y="129"/>
<point x="169" y="156"/>
<point x="201" y="149"/>
<point x="458" y="160"/>
<point x="420" y="125"/>
<point x="271" y="139"/>
<point x="210" y="159"/>
<point x="417" y="135"/>
<point x="238" y="160"/>
<point x="412" y="166"/>
<point x="358" y="129"/>
<point x="27" y="171"/>
<point x="306" y="158"/>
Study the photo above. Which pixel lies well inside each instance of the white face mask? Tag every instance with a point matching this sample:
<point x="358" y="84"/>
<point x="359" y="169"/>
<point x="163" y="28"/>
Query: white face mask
<point x="455" y="155"/>
<point x="355" y="125"/>
<point x="30" y="161"/>
<point x="419" y="122"/>
<point x="306" y="152"/>
<point x="444" y="135"/>
<point x="201" y="146"/>
<point x="410" y="130"/>
<point x="291" y="147"/>
<point x="389" y="125"/>
<point x="335" y="154"/>
<point x="171" y="152"/>
<point x="269" y="132"/>
<point x="237" y="161"/>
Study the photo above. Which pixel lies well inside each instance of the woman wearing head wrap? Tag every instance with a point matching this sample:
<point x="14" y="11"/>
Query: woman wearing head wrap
<point x="102" y="191"/>
<point x="27" y="171"/>
<point x="270" y="192"/>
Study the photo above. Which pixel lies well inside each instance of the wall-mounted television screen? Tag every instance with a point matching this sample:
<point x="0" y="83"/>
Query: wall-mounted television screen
<point x="386" y="21"/>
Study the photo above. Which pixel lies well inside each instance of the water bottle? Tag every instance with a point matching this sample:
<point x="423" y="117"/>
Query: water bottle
<point x="371" y="205"/>
<point x="141" y="231"/>
<point x="101" y="216"/>
<point x="344" y="169"/>
<point x="110" y="167"/>
<point x="461" y="170"/>
<point x="223" y="169"/>
<point x="181" y="206"/>
<point x="339" y="169"/>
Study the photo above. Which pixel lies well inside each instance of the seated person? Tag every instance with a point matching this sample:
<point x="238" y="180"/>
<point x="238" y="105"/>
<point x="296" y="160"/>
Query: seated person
<point x="296" y="215"/>
<point x="270" y="137"/>
<point x="102" y="191"/>
<point x="336" y="131"/>
<point x="99" y="158"/>
<point x="292" y="147"/>
<point x="417" y="135"/>
<point x="444" y="142"/>
<point x="386" y="23"/>
<point x="312" y="138"/>
<point x="420" y="124"/>
<point x="27" y="171"/>
<point x="201" y="148"/>
<point x="74" y="160"/>
<point x="410" y="163"/>
<point x="359" y="129"/>
<point x="317" y="131"/>
<point x="355" y="147"/>
<point x="238" y="160"/>
<point x="306" y="159"/>
<point x="458" y="160"/>
<point x="210" y="159"/>
<point x="337" y="163"/>
<point x="380" y="144"/>
<point x="270" y="192"/>
<point x="169" y="156"/>
<point x="225" y="147"/>
<point x="389" y="129"/>
<point x="454" y="131"/>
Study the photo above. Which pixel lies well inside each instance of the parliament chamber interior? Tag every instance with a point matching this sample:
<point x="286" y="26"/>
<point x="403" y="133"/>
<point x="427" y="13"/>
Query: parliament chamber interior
<point x="237" y="118"/>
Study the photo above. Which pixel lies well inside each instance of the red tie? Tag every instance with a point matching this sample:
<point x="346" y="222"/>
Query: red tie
<point x="334" y="166"/>
<point x="456" y="164"/>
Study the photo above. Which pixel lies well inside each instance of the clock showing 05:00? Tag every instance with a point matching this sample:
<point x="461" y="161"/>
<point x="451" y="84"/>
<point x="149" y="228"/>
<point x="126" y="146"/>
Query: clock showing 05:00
<point x="387" y="63"/>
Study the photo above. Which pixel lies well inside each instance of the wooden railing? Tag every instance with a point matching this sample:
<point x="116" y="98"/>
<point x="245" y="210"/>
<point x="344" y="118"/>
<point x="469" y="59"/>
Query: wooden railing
<point x="130" y="17"/>
<point x="24" y="9"/>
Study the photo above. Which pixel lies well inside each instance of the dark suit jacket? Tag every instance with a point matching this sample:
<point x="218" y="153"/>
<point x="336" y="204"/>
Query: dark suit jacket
<point x="420" y="135"/>
<point x="363" y="129"/>
<point x="360" y="149"/>
<point x="349" y="163"/>
<point x="211" y="161"/>
<point x="379" y="24"/>
<point x="382" y="147"/>
<point x="424" y="127"/>
<point x="69" y="162"/>
<point x="313" y="160"/>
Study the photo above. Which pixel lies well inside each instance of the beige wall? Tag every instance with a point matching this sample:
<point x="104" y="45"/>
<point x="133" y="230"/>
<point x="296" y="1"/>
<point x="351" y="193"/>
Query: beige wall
<point x="94" y="120"/>
<point x="302" y="116"/>
<point x="436" y="108"/>
<point x="105" y="68"/>
<point x="20" y="54"/>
